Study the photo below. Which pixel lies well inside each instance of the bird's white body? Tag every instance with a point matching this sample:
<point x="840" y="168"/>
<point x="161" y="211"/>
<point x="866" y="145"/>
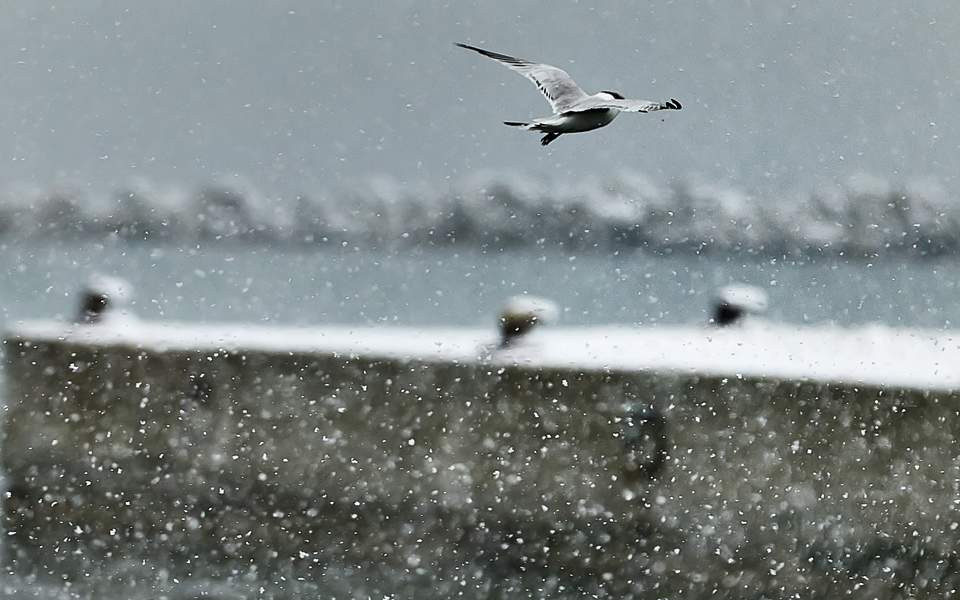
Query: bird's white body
<point x="577" y="121"/>
<point x="573" y="110"/>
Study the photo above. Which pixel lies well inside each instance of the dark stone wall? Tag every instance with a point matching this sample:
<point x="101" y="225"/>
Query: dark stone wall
<point x="633" y="484"/>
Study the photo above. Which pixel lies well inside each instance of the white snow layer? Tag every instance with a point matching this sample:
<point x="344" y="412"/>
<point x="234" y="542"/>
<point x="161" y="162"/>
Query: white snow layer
<point x="874" y="355"/>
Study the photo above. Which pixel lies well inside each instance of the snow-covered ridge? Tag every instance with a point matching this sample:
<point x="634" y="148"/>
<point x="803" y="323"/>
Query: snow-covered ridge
<point x="874" y="356"/>
<point x="863" y="215"/>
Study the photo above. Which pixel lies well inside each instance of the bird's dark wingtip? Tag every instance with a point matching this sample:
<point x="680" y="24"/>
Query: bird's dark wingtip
<point x="676" y="104"/>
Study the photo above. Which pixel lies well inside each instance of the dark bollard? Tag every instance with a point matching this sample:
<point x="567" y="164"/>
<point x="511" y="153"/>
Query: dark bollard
<point x="523" y="313"/>
<point x="100" y="296"/>
<point x="734" y="302"/>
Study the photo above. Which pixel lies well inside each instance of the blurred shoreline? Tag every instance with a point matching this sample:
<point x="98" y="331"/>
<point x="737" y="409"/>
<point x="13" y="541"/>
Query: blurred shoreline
<point x="861" y="217"/>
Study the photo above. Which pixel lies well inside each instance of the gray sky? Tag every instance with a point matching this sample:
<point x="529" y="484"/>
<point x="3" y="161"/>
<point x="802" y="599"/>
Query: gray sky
<point x="292" y="96"/>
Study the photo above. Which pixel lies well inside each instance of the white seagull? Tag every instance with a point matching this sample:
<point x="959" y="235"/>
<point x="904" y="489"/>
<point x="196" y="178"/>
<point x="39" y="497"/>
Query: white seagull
<point x="573" y="110"/>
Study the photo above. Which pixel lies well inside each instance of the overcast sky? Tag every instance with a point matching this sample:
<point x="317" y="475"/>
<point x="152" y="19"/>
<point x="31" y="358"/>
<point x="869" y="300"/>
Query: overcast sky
<point x="295" y="95"/>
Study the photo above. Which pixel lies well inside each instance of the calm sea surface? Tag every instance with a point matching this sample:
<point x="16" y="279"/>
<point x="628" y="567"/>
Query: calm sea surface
<point x="224" y="282"/>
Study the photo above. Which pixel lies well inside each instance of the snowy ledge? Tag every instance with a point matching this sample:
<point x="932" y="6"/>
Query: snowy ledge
<point x="874" y="355"/>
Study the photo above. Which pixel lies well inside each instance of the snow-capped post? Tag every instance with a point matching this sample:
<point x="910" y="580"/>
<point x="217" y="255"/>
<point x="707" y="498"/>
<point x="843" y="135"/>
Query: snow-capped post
<point x="734" y="302"/>
<point x="100" y="295"/>
<point x="521" y="314"/>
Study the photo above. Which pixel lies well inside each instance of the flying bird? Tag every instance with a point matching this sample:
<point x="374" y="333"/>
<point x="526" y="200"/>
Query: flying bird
<point x="573" y="110"/>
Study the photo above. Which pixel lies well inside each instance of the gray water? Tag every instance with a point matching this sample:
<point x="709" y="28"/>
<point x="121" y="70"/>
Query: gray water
<point x="232" y="282"/>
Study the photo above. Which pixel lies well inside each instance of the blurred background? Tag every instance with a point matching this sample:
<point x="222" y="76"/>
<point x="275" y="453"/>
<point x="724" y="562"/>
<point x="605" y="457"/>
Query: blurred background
<point x="323" y="161"/>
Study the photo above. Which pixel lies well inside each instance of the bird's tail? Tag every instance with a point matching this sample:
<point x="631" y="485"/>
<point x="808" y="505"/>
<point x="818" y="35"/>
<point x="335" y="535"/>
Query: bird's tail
<point x="536" y="126"/>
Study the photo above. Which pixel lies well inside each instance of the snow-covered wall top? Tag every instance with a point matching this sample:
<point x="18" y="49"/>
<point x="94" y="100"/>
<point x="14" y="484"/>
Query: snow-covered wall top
<point x="875" y="356"/>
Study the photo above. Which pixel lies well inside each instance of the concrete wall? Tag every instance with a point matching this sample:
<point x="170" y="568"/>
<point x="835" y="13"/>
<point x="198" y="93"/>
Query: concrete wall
<point x="442" y="472"/>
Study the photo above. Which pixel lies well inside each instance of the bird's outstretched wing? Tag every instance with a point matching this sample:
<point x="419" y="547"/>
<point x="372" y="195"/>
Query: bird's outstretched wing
<point x="561" y="91"/>
<point x="593" y="103"/>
